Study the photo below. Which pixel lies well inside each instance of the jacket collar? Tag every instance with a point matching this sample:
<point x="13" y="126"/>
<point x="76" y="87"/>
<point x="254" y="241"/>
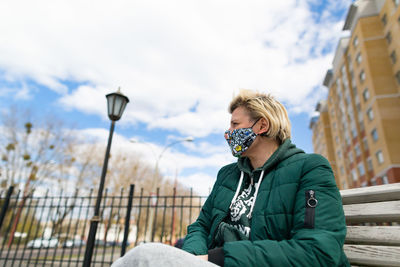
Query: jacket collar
<point x="285" y="150"/>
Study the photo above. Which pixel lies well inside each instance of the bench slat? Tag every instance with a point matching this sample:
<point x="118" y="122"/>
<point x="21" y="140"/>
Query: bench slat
<point x="373" y="235"/>
<point x="373" y="212"/>
<point x="373" y="255"/>
<point x="387" y="192"/>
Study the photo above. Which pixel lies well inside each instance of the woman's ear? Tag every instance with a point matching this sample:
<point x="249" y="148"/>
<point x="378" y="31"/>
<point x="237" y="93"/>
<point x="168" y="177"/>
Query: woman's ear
<point x="264" y="126"/>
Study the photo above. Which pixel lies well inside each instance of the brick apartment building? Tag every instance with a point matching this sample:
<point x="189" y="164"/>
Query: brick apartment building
<point x="358" y="127"/>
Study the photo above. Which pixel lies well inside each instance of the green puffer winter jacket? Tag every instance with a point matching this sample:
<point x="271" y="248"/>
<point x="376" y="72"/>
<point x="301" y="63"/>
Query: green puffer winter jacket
<point x="284" y="230"/>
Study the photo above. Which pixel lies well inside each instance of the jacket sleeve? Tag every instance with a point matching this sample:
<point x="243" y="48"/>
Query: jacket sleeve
<point x="318" y="246"/>
<point x="198" y="232"/>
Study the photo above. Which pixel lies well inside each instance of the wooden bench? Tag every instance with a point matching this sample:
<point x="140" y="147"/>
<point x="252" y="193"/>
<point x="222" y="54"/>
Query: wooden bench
<point x="373" y="225"/>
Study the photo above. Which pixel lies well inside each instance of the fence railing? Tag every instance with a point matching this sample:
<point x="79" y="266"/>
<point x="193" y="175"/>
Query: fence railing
<point x="37" y="230"/>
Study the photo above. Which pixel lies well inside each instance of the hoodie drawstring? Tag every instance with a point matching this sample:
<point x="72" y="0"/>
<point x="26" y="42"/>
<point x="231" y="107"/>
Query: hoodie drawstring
<point x="238" y="189"/>
<point x="255" y="194"/>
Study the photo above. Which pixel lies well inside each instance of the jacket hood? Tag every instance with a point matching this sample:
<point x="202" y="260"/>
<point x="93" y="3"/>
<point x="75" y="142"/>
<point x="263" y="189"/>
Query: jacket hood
<point x="284" y="151"/>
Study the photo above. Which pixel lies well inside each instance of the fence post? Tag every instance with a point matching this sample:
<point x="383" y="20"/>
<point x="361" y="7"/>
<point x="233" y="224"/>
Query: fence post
<point x="127" y="219"/>
<point x="172" y="239"/>
<point x="138" y="218"/>
<point x="5" y="206"/>
<point x="155" y="215"/>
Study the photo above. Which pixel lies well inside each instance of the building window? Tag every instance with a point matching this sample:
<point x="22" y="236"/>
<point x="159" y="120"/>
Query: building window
<point x="365" y="143"/>
<point x="351" y="157"/>
<point x="343" y="70"/>
<point x="353" y="131"/>
<point x="354" y="91"/>
<point x="396" y="3"/>
<point x="369" y="164"/>
<point x="362" y="76"/>
<point x="347" y="138"/>
<point x="358" y="150"/>
<point x="354" y="175"/>
<point x="385" y="179"/>
<point x="360" y="115"/>
<point x="341" y="170"/>
<point x="355" y="41"/>
<point x="366" y="92"/>
<point x="389" y="37"/>
<point x="384" y="19"/>
<point x="339" y="154"/>
<point x="362" y="128"/>
<point x="361" y="169"/>
<point x="358" y="58"/>
<point x="348" y="99"/>
<point x="370" y="114"/>
<point x="353" y="82"/>
<point x="398" y="77"/>
<point x="393" y="57"/>
<point x="338" y="87"/>
<point x="337" y="139"/>
<point x="374" y="134"/>
<point x="379" y="156"/>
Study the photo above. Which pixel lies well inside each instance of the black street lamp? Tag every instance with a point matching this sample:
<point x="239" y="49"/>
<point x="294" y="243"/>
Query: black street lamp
<point x="116" y="103"/>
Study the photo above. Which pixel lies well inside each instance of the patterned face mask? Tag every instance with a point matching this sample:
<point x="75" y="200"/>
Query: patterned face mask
<point x="239" y="140"/>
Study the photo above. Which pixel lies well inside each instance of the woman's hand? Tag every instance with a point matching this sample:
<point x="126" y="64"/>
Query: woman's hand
<point x="204" y="257"/>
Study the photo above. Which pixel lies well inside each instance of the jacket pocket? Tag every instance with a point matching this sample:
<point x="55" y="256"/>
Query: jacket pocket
<point x="311" y="203"/>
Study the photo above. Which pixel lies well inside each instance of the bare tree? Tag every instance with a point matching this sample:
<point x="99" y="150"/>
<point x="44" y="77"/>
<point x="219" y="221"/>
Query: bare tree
<point x="40" y="152"/>
<point x="30" y="150"/>
<point x="80" y="167"/>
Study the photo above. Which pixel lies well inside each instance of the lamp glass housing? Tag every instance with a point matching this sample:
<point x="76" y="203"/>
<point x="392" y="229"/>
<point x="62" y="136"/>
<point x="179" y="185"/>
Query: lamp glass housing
<point x="116" y="103"/>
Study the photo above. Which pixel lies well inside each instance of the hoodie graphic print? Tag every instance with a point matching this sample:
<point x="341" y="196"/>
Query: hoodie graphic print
<point x="236" y="226"/>
<point x="240" y="209"/>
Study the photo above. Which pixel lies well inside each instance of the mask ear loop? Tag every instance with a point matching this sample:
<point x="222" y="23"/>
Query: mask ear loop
<point x="262" y="134"/>
<point x="255" y="122"/>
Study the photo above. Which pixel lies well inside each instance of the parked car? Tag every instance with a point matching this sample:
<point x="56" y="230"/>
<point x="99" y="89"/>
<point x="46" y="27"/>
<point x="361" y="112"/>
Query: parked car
<point x="43" y="243"/>
<point x="72" y="243"/>
<point x="116" y="243"/>
<point x="99" y="242"/>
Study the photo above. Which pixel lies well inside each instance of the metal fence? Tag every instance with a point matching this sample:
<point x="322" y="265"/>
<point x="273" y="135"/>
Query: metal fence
<point x="38" y="230"/>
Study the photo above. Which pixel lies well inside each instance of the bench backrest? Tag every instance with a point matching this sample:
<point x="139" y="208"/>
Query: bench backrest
<point x="373" y="225"/>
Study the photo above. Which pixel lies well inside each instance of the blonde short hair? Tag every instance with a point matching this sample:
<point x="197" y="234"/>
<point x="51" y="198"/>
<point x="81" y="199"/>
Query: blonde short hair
<point x="260" y="105"/>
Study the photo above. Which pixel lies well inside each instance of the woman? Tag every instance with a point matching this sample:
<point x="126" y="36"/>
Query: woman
<point x="276" y="206"/>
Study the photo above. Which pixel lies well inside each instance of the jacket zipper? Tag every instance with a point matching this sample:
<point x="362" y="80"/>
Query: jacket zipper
<point x="311" y="203"/>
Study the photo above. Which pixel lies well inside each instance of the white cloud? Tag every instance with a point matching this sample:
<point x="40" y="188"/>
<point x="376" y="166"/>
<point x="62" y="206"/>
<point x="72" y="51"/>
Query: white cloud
<point x="23" y="92"/>
<point x="201" y="183"/>
<point x="87" y="99"/>
<point x="172" y="161"/>
<point x="170" y="57"/>
<point x="179" y="62"/>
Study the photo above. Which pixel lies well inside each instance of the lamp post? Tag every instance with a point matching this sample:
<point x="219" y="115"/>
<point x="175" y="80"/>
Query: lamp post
<point x="150" y="233"/>
<point x="116" y="103"/>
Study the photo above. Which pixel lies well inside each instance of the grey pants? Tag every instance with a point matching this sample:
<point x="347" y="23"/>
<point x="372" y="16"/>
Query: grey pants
<point x="159" y="255"/>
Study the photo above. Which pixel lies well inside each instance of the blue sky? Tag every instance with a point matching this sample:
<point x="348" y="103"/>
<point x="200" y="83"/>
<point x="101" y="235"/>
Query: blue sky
<point x="179" y="62"/>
